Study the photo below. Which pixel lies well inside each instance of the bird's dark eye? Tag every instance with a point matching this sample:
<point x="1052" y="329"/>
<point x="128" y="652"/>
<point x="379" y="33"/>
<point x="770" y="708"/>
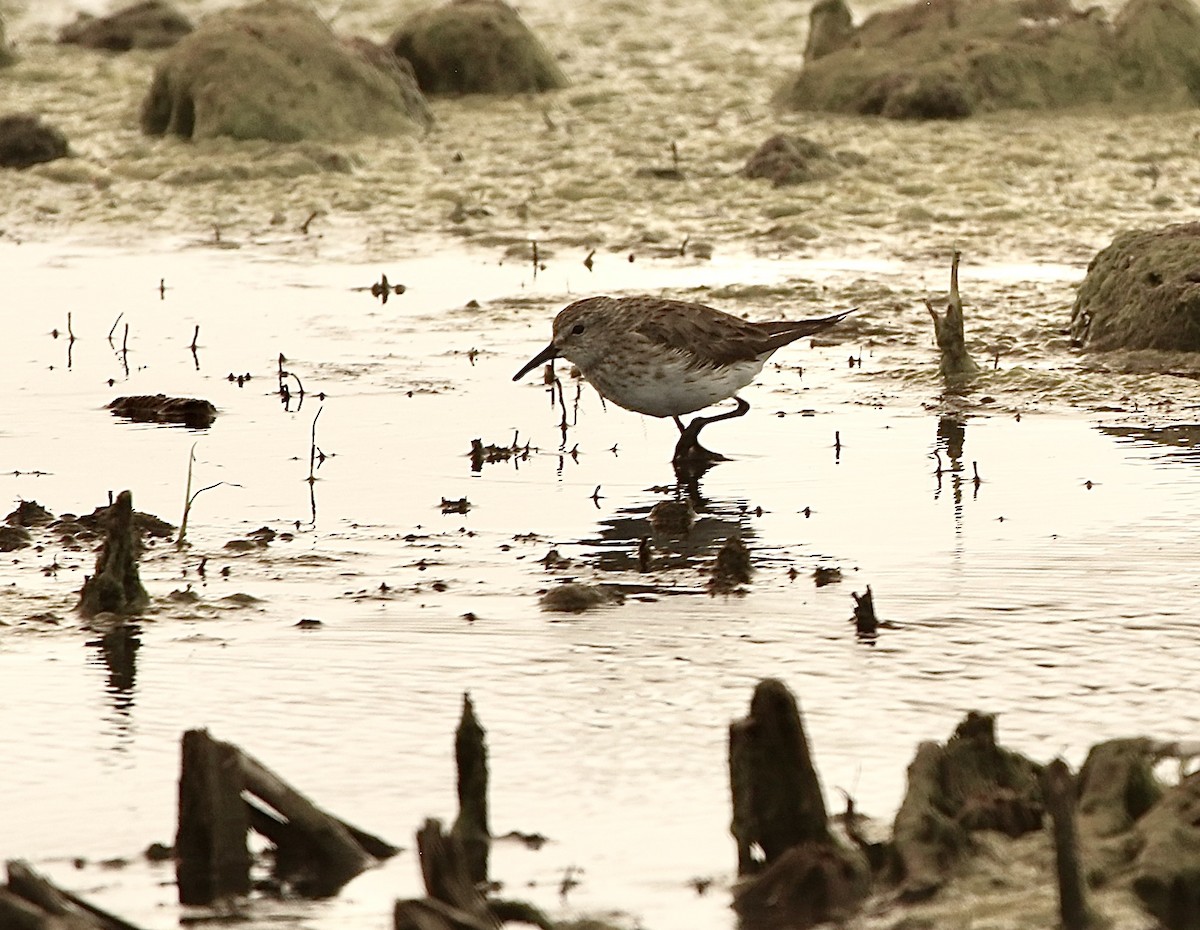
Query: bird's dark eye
<point x="577" y="329"/>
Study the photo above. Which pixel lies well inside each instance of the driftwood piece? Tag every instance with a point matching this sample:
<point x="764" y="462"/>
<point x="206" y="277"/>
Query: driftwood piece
<point x="32" y="902"/>
<point x="806" y="875"/>
<point x="471" y="827"/>
<point x="1058" y="786"/>
<point x="211" y="858"/>
<point x="971" y="783"/>
<point x="956" y="362"/>
<point x="115" y="586"/>
<point x="865" y="621"/>
<point x="316" y="853"/>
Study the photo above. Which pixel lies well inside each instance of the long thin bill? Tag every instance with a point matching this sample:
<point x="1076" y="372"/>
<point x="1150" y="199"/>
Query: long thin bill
<point x="545" y="355"/>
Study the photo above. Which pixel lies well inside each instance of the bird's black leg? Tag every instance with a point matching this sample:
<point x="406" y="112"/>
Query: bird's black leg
<point x="679" y="423"/>
<point x="689" y="454"/>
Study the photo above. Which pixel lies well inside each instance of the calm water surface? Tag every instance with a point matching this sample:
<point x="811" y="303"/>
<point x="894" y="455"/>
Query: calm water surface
<point x="1065" y="609"/>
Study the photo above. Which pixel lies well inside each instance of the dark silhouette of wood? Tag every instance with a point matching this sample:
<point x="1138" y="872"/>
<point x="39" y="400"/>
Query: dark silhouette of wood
<point x="805" y="874"/>
<point x="211" y="858"/>
<point x="956" y="362"/>
<point x="453" y="900"/>
<point x="1058" y="786"/>
<point x="316" y="853"/>
<point x="115" y="586"/>
<point x="32" y="900"/>
<point x="865" y="622"/>
<point x="471" y="827"/>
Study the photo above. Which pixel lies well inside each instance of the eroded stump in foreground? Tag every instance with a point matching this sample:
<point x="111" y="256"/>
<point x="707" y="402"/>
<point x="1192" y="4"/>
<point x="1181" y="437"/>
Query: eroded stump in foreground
<point x="806" y="874"/>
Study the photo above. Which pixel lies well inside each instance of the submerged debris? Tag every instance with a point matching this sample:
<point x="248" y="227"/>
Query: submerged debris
<point x="148" y="24"/>
<point x="956" y="363"/>
<point x="732" y="568"/>
<point x="25" y="140"/>
<point x="572" y="597"/>
<point x="192" y="412"/>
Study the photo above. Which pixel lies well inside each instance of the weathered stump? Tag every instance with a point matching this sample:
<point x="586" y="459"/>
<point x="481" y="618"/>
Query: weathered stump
<point x="471" y="827"/>
<point x="1074" y="910"/>
<point x="1167" y="879"/>
<point x="115" y="586"/>
<point x="971" y="783"/>
<point x="32" y="902"/>
<point x="453" y="900"/>
<point x="956" y="362"/>
<point x="211" y="858"/>
<point x="806" y="874"/>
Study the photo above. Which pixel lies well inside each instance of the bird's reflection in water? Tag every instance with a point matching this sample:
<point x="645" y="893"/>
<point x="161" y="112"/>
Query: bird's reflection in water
<point x="681" y="529"/>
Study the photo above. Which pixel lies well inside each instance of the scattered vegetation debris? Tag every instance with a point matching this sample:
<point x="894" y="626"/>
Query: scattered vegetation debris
<point x="732" y="568"/>
<point x="309" y="623"/>
<point x="191" y="412"/>
<point x="491" y="453"/>
<point x="824" y="574"/>
<point x="383" y="289"/>
<point x="554" y="561"/>
<point x="534" y="841"/>
<point x="671" y="172"/>
<point x="159" y="852"/>
<point x="573" y="597"/>
<point x="461" y="505"/>
<point x="644" y="555"/>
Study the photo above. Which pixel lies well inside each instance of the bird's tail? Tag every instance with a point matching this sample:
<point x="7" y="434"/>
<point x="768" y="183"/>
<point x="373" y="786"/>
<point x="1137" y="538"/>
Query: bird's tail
<point x="785" y="331"/>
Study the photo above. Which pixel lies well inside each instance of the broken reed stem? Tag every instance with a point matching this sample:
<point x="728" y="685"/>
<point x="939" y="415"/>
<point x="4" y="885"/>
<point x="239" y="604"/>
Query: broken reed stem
<point x="116" y="322"/>
<point x="187" y="500"/>
<point x="312" y="449"/>
<point x="70" y="332"/>
<point x="195" y="337"/>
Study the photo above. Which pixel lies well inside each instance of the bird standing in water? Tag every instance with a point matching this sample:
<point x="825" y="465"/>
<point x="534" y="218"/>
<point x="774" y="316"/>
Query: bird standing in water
<point x="667" y="358"/>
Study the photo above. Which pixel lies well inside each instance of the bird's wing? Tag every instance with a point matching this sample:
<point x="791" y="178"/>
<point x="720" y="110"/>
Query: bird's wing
<point x="782" y="332"/>
<point x="709" y="336"/>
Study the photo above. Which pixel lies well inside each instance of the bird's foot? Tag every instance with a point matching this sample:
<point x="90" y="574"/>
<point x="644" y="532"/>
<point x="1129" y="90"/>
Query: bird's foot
<point x="691" y="460"/>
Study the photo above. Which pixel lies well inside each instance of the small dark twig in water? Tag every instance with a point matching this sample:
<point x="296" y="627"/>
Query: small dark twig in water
<point x="313" y="452"/>
<point x="643" y="553"/>
<point x="162" y="288"/>
<point x="114" y="328"/>
<point x="312" y="216"/>
<point x="383" y="289"/>
<point x="596" y="496"/>
<point x="189" y="498"/>
<point x="588" y="262"/>
<point x="977" y="481"/>
<point x="865" y="622"/>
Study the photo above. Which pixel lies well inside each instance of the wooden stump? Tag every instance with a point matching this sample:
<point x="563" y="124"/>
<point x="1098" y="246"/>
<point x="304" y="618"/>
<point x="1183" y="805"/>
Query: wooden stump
<point x="115" y="586"/>
<point x="1058" y="786"/>
<point x="956" y="362"/>
<point x="31" y="902"/>
<point x="806" y="875"/>
<point x="453" y="901"/>
<point x="211" y="858"/>
<point x="471" y="827"/>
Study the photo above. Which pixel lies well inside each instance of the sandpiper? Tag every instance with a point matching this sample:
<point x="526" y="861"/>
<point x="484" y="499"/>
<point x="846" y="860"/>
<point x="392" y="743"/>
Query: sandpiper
<point x="665" y="358"/>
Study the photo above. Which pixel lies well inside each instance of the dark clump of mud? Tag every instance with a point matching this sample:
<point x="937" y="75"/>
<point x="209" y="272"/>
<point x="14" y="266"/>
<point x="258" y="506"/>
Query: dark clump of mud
<point x="273" y="70"/>
<point x="1142" y="292"/>
<point x="25" y="140"/>
<point x="947" y="59"/>
<point x="149" y="24"/>
<point x="788" y="159"/>
<point x="192" y="412"/>
<point x="475" y="47"/>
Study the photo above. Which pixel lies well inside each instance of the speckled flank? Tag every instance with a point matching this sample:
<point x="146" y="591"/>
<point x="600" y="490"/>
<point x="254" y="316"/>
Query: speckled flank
<point x="665" y="357"/>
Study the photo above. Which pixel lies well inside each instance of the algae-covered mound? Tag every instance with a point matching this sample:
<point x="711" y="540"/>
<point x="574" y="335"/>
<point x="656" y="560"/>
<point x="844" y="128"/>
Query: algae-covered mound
<point x="25" y="140"/>
<point x="148" y="24"/>
<point x="1142" y="292"/>
<point x="947" y="59"/>
<point x="273" y="70"/>
<point x="475" y="47"/>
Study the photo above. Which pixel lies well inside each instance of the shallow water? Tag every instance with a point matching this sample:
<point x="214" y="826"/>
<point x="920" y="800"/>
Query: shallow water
<point x="1057" y="593"/>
